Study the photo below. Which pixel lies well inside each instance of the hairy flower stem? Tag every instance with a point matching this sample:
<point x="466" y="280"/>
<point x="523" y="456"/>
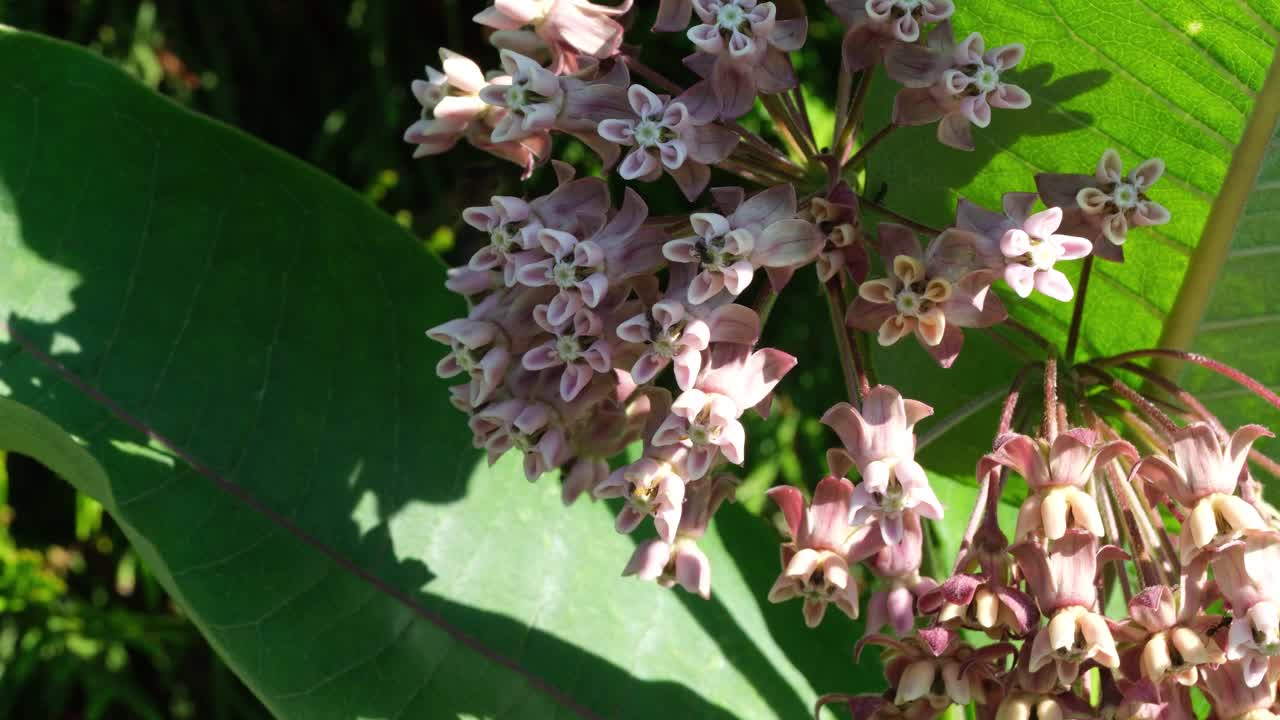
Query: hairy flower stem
<point x="1173" y="389"/>
<point x="1011" y="402"/>
<point x="754" y="173"/>
<point x="843" y="147"/>
<point x="867" y="202"/>
<point x="844" y="94"/>
<point x="857" y="387"/>
<point x="786" y="126"/>
<point x="1114" y="570"/>
<point x="1077" y="312"/>
<point x="1227" y="371"/>
<point x="861" y="156"/>
<point x="802" y="112"/>
<point x="1051" y="399"/>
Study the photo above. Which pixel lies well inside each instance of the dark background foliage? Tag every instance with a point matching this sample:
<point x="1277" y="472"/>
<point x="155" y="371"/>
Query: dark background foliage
<point x="85" y="632"/>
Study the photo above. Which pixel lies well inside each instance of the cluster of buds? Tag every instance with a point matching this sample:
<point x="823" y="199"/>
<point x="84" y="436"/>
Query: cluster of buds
<point x="593" y="327"/>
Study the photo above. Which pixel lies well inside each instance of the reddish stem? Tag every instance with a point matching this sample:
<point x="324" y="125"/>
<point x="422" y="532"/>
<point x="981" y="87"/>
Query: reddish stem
<point x="1051" y="399"/>
<point x="1223" y="369"/>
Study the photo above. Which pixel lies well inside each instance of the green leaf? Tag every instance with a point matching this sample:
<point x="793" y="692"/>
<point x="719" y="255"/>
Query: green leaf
<point x="239" y="341"/>
<point x="1164" y="78"/>
<point x="1239" y="317"/>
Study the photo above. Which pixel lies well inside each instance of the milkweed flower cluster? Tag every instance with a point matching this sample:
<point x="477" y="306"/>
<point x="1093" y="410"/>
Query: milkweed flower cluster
<point x="594" y="325"/>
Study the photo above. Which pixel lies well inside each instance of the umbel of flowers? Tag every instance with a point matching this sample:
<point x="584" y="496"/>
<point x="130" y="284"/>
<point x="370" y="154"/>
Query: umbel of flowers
<point x="593" y="326"/>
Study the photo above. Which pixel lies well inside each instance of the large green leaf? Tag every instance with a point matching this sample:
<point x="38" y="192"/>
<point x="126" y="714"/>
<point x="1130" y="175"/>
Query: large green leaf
<point x="1168" y="78"/>
<point x="239" y="341"/>
<point x="1240" y="318"/>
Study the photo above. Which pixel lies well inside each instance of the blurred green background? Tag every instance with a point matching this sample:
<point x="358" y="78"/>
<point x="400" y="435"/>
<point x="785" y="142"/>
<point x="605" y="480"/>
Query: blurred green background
<point x="85" y="631"/>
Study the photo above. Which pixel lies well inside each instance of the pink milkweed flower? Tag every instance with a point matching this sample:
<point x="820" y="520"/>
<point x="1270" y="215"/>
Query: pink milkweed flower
<point x="452" y="110"/>
<point x="707" y="424"/>
<point x="1245" y="572"/>
<point x="653" y="486"/>
<point x="876" y="27"/>
<point x="665" y="136"/>
<point x="476" y="348"/>
<point x="898" y="568"/>
<point x="1063" y="583"/>
<point x="936" y="668"/>
<point x="533" y="101"/>
<point x="742" y="51"/>
<point x="1234" y="698"/>
<point x="962" y="94"/>
<point x="674" y="333"/>
<point x="976" y="602"/>
<point x="1032" y="251"/>
<point x="568" y="28"/>
<point x="906" y="16"/>
<point x="1030" y="243"/>
<point x="534" y="428"/>
<point x="815" y="564"/>
<point x="1163" y="646"/>
<point x="531" y="94"/>
<point x="838" y="219"/>
<point x="1056" y="475"/>
<point x="450" y="102"/>
<point x="513" y="224"/>
<point x="1106" y="204"/>
<point x="931" y="293"/>
<point x="1202" y="476"/>
<point x="578" y="346"/>
<point x="762" y="232"/>
<point x="705" y="418"/>
<point x="584" y="270"/>
<point x="682" y="561"/>
<point x="880" y="441"/>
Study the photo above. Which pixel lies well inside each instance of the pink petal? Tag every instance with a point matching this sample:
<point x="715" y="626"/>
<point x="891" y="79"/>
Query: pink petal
<point x="644" y="102"/>
<point x="735" y="88"/>
<point x="788" y="243"/>
<point x="693" y="570"/>
<point x="1021" y="278"/>
<point x="916" y="106"/>
<point x="1054" y="284"/>
<point x="1044" y="223"/>
<point x="639" y="164"/>
<point x="649" y="559"/>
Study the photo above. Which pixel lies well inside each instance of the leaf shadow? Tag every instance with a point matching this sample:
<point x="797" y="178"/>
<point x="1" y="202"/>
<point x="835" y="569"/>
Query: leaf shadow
<point x="1046" y="116"/>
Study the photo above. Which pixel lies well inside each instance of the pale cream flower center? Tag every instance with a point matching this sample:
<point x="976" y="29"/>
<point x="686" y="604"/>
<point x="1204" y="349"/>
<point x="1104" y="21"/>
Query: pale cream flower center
<point x="1125" y="196"/>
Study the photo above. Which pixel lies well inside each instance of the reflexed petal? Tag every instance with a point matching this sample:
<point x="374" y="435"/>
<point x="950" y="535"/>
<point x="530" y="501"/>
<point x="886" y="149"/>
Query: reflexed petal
<point x="617" y="131"/>
<point x="1009" y="97"/>
<point x="1110" y="168"/>
<point x="638" y="164"/>
<point x="1015" y="243"/>
<point x="894" y="329"/>
<point x="1020" y="278"/>
<point x="1054" y="284"/>
<point x="1044" y="223"/>
<point x="878" y="291"/>
<point x="1146" y="174"/>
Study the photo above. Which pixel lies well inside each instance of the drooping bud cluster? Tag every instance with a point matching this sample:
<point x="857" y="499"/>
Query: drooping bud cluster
<point x="594" y="326"/>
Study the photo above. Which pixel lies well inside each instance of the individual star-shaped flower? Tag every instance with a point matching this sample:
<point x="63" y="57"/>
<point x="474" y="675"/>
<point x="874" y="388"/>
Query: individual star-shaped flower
<point x="1103" y="207"/>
